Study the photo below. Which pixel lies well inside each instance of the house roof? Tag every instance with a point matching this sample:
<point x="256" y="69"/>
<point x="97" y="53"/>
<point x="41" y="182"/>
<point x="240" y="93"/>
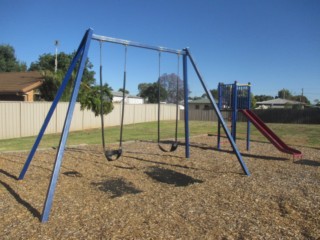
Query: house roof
<point x="279" y="101"/>
<point x="19" y="82"/>
<point x="201" y="100"/>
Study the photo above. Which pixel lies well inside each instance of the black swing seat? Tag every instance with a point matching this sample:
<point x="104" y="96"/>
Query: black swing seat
<point x="113" y="155"/>
<point x="173" y="148"/>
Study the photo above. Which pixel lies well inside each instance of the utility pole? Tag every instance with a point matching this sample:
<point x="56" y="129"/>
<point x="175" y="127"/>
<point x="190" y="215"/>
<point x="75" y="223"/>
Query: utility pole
<point x="56" y="43"/>
<point x="301" y="98"/>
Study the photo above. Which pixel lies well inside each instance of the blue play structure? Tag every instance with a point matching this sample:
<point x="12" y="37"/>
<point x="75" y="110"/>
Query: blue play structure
<point x="232" y="98"/>
<point x="235" y="98"/>
<point x="79" y="60"/>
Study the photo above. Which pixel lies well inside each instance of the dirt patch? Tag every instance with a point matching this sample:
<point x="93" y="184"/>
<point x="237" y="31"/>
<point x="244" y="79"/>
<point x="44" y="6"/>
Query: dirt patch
<point x="148" y="194"/>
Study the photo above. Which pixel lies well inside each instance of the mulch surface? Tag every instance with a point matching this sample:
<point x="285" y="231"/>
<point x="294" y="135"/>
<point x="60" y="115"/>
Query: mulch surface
<point x="149" y="194"/>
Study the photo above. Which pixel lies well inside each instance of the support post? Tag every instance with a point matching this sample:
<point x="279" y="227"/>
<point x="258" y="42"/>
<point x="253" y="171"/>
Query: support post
<point x="52" y="108"/>
<point x="219" y="122"/>
<point x="186" y="104"/>
<point x="66" y="127"/>
<point x="216" y="109"/>
<point x="248" y="121"/>
<point x="234" y="110"/>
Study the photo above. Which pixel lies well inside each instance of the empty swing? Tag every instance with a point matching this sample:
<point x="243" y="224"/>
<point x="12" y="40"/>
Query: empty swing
<point x="115" y="154"/>
<point x="174" y="144"/>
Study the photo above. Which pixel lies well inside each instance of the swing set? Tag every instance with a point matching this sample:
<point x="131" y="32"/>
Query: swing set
<point x="79" y="60"/>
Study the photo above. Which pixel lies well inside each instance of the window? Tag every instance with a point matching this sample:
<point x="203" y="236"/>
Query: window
<point x="206" y="107"/>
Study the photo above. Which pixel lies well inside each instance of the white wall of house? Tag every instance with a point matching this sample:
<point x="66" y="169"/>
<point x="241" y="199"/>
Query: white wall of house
<point x="128" y="100"/>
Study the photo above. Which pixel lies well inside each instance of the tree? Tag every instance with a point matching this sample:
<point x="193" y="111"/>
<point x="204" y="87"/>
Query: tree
<point x="169" y="83"/>
<point x="8" y="61"/>
<point x="196" y="97"/>
<point x="149" y="91"/>
<point x="121" y="90"/>
<point x="90" y="98"/>
<point x="214" y="93"/>
<point x="300" y="98"/>
<point x="89" y="93"/>
<point x="142" y="88"/>
<point x="284" y="94"/>
<point x="261" y="98"/>
<point x="253" y="100"/>
<point x="52" y="80"/>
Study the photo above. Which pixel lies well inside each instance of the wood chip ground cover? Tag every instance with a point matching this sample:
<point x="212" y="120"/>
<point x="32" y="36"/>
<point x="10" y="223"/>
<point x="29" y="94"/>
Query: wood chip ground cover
<point x="149" y="194"/>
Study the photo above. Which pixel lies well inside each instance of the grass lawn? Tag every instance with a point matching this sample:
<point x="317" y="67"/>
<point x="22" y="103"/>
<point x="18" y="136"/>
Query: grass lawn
<point x="292" y="134"/>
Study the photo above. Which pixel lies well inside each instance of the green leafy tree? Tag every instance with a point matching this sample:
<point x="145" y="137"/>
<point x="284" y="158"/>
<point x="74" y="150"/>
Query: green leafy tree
<point x="90" y="98"/>
<point x="8" y="61"/>
<point x="196" y="97"/>
<point x="149" y="91"/>
<point x="52" y="80"/>
<point x="50" y="86"/>
<point x="284" y="94"/>
<point x="300" y="98"/>
<point x="89" y="93"/>
<point x="261" y="98"/>
<point x="214" y="93"/>
<point x="121" y="90"/>
<point x="142" y="88"/>
<point x="253" y="101"/>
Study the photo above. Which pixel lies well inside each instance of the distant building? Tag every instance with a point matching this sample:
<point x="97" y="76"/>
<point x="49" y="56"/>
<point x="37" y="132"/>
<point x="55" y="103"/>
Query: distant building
<point x="200" y="104"/>
<point x="129" y="99"/>
<point x="279" y="103"/>
<point x="19" y="86"/>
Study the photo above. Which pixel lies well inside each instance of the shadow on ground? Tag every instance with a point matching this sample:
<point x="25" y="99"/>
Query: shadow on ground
<point x="118" y="187"/>
<point x="308" y="163"/>
<point x="8" y="174"/>
<point x="171" y="177"/>
<point x="24" y="203"/>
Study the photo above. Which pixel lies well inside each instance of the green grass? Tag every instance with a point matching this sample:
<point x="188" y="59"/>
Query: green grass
<point x="293" y="134"/>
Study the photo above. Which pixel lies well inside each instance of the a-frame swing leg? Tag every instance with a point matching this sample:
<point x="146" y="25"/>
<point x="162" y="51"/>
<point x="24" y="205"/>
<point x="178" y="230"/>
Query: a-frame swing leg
<point x="65" y="131"/>
<point x="52" y="108"/>
<point x="217" y="111"/>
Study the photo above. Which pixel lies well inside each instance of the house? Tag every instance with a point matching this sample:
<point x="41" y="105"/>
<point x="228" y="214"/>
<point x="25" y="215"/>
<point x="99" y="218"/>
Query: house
<point x="19" y="86"/>
<point x="200" y="104"/>
<point x="279" y="103"/>
<point x="129" y="99"/>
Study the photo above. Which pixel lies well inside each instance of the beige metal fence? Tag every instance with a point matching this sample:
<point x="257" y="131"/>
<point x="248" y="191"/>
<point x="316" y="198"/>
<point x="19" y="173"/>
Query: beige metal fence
<point x="21" y="119"/>
<point x="204" y="115"/>
<point x="273" y="115"/>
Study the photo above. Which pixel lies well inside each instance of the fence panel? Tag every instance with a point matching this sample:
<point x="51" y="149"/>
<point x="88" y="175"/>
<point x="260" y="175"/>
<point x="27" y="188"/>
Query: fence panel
<point x="10" y="120"/>
<point x="21" y="119"/>
<point x="297" y="116"/>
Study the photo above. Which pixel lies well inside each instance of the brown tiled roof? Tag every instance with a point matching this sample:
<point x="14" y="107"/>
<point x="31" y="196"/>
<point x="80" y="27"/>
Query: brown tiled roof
<point x="19" y="82"/>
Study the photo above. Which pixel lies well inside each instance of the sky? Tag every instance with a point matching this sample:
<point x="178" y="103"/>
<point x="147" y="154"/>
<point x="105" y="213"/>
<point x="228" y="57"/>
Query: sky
<point x="273" y="44"/>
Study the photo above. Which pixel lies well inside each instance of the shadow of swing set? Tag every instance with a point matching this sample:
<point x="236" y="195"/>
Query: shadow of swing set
<point x="80" y="60"/>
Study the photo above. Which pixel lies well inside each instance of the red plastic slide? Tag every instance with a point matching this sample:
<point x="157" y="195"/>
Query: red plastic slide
<point x="269" y="134"/>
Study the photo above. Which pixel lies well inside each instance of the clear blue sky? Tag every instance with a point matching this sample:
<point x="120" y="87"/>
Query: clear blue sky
<point x="273" y="44"/>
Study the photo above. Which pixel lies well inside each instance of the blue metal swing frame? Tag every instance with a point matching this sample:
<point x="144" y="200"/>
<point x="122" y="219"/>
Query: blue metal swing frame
<point x="80" y="59"/>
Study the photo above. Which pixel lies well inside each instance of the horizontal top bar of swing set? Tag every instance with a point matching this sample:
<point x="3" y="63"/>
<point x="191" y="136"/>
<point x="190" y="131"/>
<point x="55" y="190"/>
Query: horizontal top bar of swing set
<point x="136" y="44"/>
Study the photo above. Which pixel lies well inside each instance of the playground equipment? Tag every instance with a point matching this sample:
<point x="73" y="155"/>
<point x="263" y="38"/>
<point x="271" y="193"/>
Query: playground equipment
<point x="79" y="60"/>
<point x="231" y="98"/>
<point x="236" y="97"/>
<point x="112" y="155"/>
<point x="174" y="144"/>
